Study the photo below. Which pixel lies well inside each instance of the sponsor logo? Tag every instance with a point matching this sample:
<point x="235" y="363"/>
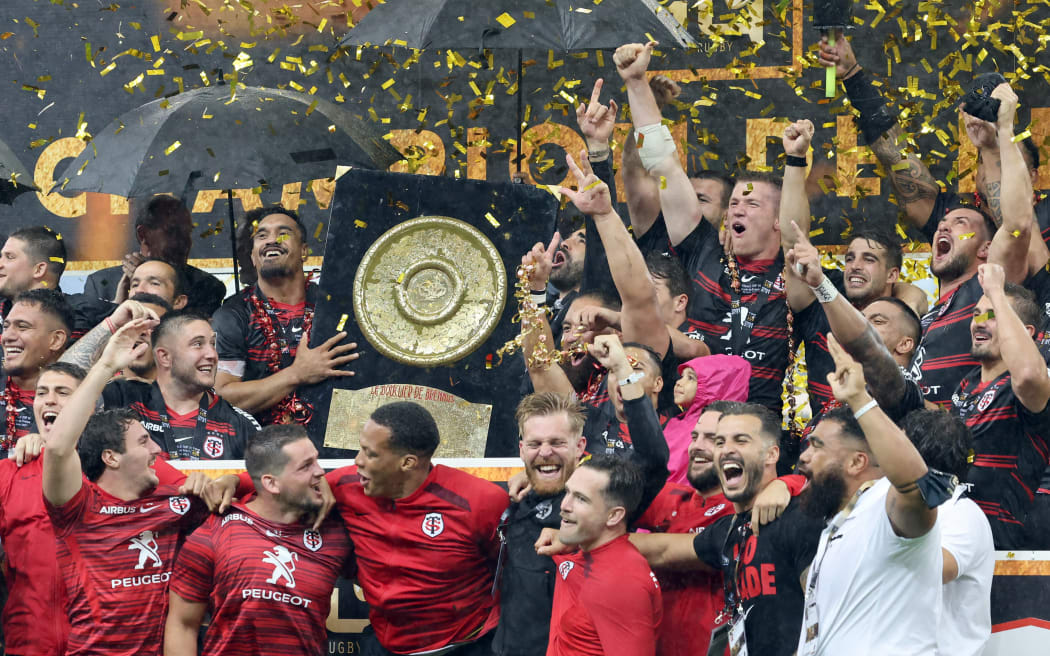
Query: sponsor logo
<point x="283" y="562"/>
<point x="239" y="517"/>
<point x="146" y="545"/>
<point x="179" y="505"/>
<point x="116" y="510"/>
<point x="433" y="525"/>
<point x="543" y="509"/>
<point x="153" y="428"/>
<point x="213" y="446"/>
<point x="565" y="568"/>
<point x="714" y="510"/>
<point x="312" y="539"/>
<point x="136" y="581"/>
<point x="283" y="597"/>
<point x="146" y="507"/>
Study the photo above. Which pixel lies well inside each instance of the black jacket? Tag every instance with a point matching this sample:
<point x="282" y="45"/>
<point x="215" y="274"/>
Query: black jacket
<point x="526" y="579"/>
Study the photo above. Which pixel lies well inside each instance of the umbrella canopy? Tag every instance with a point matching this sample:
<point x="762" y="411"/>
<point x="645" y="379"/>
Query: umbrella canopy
<point x="14" y="178"/>
<point x="261" y="136"/>
<point x="554" y="24"/>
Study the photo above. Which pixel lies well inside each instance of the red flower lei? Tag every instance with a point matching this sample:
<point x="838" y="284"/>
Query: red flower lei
<point x="11" y="413"/>
<point x="291" y="409"/>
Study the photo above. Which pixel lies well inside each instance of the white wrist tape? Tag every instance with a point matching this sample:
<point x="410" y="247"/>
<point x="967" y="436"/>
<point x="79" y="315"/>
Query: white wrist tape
<point x="825" y="291"/>
<point x="655" y="143"/>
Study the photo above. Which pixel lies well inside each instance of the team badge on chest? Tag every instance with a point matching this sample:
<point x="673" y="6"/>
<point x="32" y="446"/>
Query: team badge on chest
<point x="179" y="505"/>
<point x="433" y="525"/>
<point x="565" y="568"/>
<point x="312" y="539"/>
<point x="213" y="446"/>
<point x="543" y="509"/>
<point x="986" y="400"/>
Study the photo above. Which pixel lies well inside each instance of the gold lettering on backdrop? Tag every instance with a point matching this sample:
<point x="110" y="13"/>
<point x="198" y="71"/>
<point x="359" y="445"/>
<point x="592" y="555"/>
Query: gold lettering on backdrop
<point x="1040" y="127"/>
<point x="848" y="158"/>
<point x="44" y="177"/>
<point x="424" y="152"/>
<point x="206" y="198"/>
<point x="538" y="136"/>
<point x="755" y="144"/>
<point x="118" y="205"/>
<point x="336" y="624"/>
<point x="290" y="195"/>
<point x="966" y="162"/>
<point x="477" y="153"/>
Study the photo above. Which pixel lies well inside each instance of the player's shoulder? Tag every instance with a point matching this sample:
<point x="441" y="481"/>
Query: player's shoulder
<point x="467" y="484"/>
<point x="242" y="416"/>
<point x="234" y="308"/>
<point x="125" y="391"/>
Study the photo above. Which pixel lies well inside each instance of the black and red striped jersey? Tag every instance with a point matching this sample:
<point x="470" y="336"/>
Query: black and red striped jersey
<point x="752" y="323"/>
<point x="224" y="435"/>
<point x="425" y="562"/>
<point x="1010" y="452"/>
<point x="943" y="356"/>
<point x="268" y="585"/>
<point x="116" y="559"/>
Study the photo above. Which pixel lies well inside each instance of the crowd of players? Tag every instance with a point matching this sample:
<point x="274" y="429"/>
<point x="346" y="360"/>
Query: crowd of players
<point x="663" y="508"/>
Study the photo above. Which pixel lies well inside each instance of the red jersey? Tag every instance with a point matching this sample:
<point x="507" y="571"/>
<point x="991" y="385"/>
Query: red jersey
<point x="425" y="562"/>
<point x="268" y="585"/>
<point x="606" y="601"/>
<point x="115" y="558"/>
<point x="32" y="627"/>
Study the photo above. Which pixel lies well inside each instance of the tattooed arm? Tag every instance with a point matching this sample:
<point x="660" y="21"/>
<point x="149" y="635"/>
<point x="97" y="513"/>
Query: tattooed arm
<point x="87" y="349"/>
<point x="913" y="184"/>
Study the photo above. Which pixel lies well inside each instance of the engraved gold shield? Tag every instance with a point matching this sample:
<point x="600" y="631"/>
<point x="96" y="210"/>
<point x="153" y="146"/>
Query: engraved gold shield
<point x="429" y="291"/>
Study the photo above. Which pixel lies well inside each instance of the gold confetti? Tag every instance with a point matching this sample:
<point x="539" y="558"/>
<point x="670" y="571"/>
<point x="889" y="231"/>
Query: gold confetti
<point x="985" y="316"/>
<point x="505" y="19"/>
<point x="172" y="148"/>
<point x="342" y="322"/>
<point x="968" y="235"/>
<point x="358" y="223"/>
<point x="816" y="233"/>
<point x="492" y="219"/>
<point x="57" y="259"/>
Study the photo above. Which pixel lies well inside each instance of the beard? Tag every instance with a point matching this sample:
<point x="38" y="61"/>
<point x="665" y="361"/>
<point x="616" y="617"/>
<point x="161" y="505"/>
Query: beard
<point x="304" y="503"/>
<point x="822" y="498"/>
<point x="580" y="374"/>
<point x="274" y="270"/>
<point x="953" y="268"/>
<point x="753" y="474"/>
<point x="544" y="487"/>
<point x="704" y="481"/>
<point x="144" y="370"/>
<point x="568" y="276"/>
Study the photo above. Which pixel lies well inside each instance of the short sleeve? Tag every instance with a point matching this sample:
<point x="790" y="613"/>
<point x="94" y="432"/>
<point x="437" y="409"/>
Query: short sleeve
<point x="965" y="534"/>
<point x="65" y="517"/>
<point x="230" y="334"/>
<point x="167" y="474"/>
<point x="195" y="566"/>
<point x="691" y="249"/>
<point x="912" y="399"/>
<point x="246" y="429"/>
<point x="492" y="501"/>
<point x="708" y="544"/>
<point x="804" y="538"/>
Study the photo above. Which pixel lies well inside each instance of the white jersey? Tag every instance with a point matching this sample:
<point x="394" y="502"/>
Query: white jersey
<point x="966" y="615"/>
<point x="875" y="592"/>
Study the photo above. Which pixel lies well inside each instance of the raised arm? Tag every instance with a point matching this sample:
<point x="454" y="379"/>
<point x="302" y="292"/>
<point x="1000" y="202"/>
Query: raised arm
<point x="62" y="473"/>
<point x="913" y="185"/>
<point x="82" y="353"/>
<point x="1013" y="246"/>
<point x="848" y="325"/>
<point x="678" y="201"/>
<point x="1028" y="375"/>
<point x="794" y="208"/>
<point x="898" y="458"/>
<point x="640" y="316"/>
<point x="537" y="340"/>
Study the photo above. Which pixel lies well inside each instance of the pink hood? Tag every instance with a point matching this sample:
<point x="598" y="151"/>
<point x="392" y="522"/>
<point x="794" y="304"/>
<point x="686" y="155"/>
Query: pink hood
<point x="718" y="378"/>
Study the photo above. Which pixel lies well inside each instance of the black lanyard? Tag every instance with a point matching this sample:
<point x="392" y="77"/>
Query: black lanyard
<point x="742" y="320"/>
<point x="200" y="430"/>
<point x="733" y="605"/>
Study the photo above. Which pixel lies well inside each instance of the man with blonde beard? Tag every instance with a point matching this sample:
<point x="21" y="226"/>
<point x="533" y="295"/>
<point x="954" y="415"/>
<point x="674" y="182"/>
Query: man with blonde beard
<point x="551" y="446"/>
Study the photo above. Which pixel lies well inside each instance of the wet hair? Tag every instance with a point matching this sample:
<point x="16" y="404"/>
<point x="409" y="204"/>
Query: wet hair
<point x="544" y="404"/>
<point x="625" y="480"/>
<point x="654" y="357"/>
<point x="728" y="182"/>
<point x="1023" y="302"/>
<point x="265" y="453"/>
<point x="843" y="416"/>
<point x="172" y="322"/>
<point x="161" y="211"/>
<point x="668" y="268"/>
<point x="943" y="441"/>
<point x="52" y="303"/>
<point x="769" y="422"/>
<point x="604" y="297"/>
<point x="913" y="324"/>
<point x="885" y="238"/>
<point x="253" y="217"/>
<point x="43" y="245"/>
<point x="104" y="431"/>
<point x="153" y="299"/>
<point x="67" y="368"/>
<point x="412" y="427"/>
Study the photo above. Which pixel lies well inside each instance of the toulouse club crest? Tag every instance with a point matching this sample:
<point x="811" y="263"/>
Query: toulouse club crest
<point x="565" y="568"/>
<point x="433" y="525"/>
<point x="213" y="446"/>
<point x="179" y="505"/>
<point x="312" y="539"/>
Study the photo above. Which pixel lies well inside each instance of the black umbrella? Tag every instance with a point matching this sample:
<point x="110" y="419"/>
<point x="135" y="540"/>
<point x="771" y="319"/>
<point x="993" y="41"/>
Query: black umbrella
<point x="14" y="178"/>
<point x="213" y="138"/>
<point x="560" y="25"/>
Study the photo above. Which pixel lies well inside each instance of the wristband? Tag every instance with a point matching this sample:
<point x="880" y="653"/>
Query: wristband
<point x="598" y="155"/>
<point x="791" y="160"/>
<point x="539" y="298"/>
<point x="864" y="408"/>
<point x="655" y="144"/>
<point x="875" y="118"/>
<point x="109" y="325"/>
<point x="826" y="291"/>
<point x="633" y="378"/>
